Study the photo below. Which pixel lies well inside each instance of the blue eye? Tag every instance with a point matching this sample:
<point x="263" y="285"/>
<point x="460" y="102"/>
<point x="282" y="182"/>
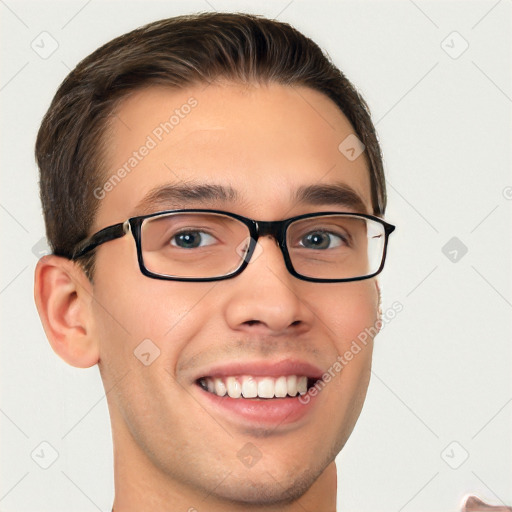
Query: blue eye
<point x="321" y="240"/>
<point x="192" y="239"/>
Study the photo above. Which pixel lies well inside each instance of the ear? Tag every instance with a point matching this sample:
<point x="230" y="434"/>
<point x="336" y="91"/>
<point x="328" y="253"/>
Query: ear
<point x="63" y="297"/>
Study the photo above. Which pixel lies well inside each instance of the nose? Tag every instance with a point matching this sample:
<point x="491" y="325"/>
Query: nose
<point x="266" y="299"/>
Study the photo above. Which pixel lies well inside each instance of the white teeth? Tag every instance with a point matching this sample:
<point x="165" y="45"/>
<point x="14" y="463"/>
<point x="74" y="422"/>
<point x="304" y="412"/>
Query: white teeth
<point x="266" y="388"/>
<point x="234" y="388"/>
<point x="291" y="382"/>
<point x="249" y="387"/>
<point x="280" y="387"/>
<point x="302" y="385"/>
<point x="220" y="387"/>
<point x="256" y="387"/>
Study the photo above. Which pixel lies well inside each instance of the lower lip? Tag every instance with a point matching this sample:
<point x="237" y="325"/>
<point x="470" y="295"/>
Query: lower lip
<point x="264" y="412"/>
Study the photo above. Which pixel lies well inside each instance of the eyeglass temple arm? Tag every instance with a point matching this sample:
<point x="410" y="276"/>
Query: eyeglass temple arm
<point x="105" y="235"/>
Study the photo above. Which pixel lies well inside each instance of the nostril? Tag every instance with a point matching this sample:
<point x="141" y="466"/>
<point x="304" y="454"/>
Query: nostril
<point x="253" y="323"/>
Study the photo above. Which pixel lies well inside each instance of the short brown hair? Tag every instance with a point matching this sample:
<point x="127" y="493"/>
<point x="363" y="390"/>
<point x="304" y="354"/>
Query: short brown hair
<point x="175" y="52"/>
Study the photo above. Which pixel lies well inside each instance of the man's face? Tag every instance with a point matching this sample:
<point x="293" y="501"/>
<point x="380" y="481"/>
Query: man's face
<point x="265" y="143"/>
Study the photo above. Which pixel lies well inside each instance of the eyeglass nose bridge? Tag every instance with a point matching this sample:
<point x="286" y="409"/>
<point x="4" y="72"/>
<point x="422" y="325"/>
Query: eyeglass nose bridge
<point x="274" y="229"/>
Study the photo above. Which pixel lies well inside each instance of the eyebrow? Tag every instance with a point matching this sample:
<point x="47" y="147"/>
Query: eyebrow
<point x="178" y="196"/>
<point x="339" y="194"/>
<point x="171" y="197"/>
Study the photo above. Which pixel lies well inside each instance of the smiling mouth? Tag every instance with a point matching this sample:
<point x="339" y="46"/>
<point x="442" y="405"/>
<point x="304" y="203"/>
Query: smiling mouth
<point x="249" y="387"/>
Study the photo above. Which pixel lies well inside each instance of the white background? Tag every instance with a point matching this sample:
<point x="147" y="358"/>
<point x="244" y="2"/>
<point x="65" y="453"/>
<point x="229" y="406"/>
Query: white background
<point x="442" y="368"/>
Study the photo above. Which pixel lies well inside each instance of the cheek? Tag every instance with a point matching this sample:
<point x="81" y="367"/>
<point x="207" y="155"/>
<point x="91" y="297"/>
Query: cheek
<point x="134" y="313"/>
<point x="353" y="314"/>
<point x="353" y="317"/>
<point x="144" y="327"/>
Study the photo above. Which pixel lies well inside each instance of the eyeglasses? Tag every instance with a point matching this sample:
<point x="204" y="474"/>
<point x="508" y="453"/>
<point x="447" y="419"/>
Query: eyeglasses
<point x="211" y="245"/>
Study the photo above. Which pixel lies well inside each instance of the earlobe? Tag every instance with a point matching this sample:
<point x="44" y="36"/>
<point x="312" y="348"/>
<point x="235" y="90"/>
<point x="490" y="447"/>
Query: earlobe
<point x="63" y="296"/>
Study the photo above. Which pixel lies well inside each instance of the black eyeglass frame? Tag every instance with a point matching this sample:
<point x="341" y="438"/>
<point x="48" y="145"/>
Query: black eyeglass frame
<point x="257" y="229"/>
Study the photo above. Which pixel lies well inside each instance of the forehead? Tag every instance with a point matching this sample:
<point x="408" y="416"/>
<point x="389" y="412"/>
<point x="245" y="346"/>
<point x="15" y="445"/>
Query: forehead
<point x="262" y="142"/>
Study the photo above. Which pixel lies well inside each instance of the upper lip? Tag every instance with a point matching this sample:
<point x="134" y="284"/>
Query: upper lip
<point x="262" y="368"/>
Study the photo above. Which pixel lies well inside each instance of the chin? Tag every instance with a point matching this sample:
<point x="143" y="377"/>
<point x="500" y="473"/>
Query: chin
<point x="273" y="482"/>
<point x="266" y="489"/>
